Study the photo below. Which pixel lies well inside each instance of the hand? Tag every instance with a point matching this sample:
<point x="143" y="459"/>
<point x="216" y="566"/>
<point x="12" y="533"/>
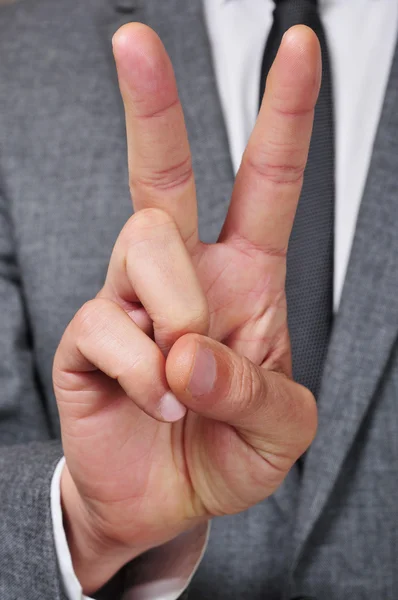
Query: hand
<point x="174" y="385"/>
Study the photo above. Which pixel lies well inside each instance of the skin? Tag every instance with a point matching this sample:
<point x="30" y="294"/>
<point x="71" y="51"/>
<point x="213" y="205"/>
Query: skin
<point x="174" y="384"/>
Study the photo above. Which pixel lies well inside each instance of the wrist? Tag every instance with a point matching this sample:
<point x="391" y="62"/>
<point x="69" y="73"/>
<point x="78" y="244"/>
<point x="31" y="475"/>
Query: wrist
<point x="96" y="557"/>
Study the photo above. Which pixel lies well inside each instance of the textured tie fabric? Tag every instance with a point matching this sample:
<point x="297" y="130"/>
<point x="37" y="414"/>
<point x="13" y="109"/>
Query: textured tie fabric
<point x="309" y="281"/>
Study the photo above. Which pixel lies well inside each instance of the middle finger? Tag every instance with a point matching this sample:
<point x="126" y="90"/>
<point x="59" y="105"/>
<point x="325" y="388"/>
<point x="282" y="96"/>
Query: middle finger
<point x="269" y="181"/>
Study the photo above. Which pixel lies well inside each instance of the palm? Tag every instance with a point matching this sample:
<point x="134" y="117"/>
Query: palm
<point x="246" y="296"/>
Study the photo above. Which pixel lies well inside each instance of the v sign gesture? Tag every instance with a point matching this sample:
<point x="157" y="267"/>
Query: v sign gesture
<point x="174" y="385"/>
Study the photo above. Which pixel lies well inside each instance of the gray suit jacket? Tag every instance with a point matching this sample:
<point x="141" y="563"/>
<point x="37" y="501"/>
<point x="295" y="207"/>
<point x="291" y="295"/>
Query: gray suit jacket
<point x="64" y="198"/>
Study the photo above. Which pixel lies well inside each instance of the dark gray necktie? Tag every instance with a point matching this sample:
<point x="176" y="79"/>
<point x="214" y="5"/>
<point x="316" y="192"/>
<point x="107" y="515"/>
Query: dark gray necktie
<point x="309" y="283"/>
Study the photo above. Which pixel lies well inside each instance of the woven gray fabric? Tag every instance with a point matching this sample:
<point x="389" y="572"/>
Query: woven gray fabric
<point x="28" y="569"/>
<point x="309" y="279"/>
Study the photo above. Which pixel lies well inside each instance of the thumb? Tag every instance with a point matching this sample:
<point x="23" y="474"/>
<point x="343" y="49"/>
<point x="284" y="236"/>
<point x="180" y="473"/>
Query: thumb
<point x="275" y="415"/>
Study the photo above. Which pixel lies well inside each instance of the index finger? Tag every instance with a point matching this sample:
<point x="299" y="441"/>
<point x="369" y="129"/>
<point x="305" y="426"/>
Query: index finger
<point x="159" y="158"/>
<point x="269" y="181"/>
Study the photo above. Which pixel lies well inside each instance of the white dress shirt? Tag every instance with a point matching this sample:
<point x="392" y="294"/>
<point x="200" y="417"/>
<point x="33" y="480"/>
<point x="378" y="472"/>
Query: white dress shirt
<point x="361" y="37"/>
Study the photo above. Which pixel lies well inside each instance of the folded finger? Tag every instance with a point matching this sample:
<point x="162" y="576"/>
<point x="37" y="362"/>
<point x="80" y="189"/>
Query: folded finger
<point x="150" y="264"/>
<point x="101" y="341"/>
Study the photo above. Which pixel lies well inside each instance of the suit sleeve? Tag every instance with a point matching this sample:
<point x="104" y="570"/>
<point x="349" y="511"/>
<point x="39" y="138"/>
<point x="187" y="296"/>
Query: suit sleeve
<point x="28" y="456"/>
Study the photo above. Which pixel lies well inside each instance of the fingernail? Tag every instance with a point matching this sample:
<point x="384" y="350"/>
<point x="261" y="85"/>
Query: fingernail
<point x="170" y="408"/>
<point x="204" y="372"/>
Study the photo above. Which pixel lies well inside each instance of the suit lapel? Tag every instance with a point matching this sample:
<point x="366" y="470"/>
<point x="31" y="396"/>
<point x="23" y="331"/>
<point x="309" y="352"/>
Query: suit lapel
<point x="365" y="328"/>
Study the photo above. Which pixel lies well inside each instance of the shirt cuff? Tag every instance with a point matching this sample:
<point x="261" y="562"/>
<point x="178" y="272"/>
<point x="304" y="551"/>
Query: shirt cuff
<point x="163" y="573"/>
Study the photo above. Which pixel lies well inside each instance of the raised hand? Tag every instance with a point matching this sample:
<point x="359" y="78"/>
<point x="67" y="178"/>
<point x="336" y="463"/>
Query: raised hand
<point x="174" y="385"/>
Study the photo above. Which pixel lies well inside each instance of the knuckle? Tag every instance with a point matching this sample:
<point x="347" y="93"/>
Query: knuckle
<point x="197" y="318"/>
<point x="246" y="389"/>
<point x="143" y="224"/>
<point x="200" y="317"/>
<point x="147" y="218"/>
<point x="194" y="320"/>
<point x="176" y="175"/>
<point x="282" y="171"/>
<point x="309" y="418"/>
<point x="301" y="420"/>
<point x="168" y="329"/>
<point x="290" y="105"/>
<point x="126" y="374"/>
<point x="163" y="111"/>
<point x="294" y="418"/>
<point x="90" y="317"/>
